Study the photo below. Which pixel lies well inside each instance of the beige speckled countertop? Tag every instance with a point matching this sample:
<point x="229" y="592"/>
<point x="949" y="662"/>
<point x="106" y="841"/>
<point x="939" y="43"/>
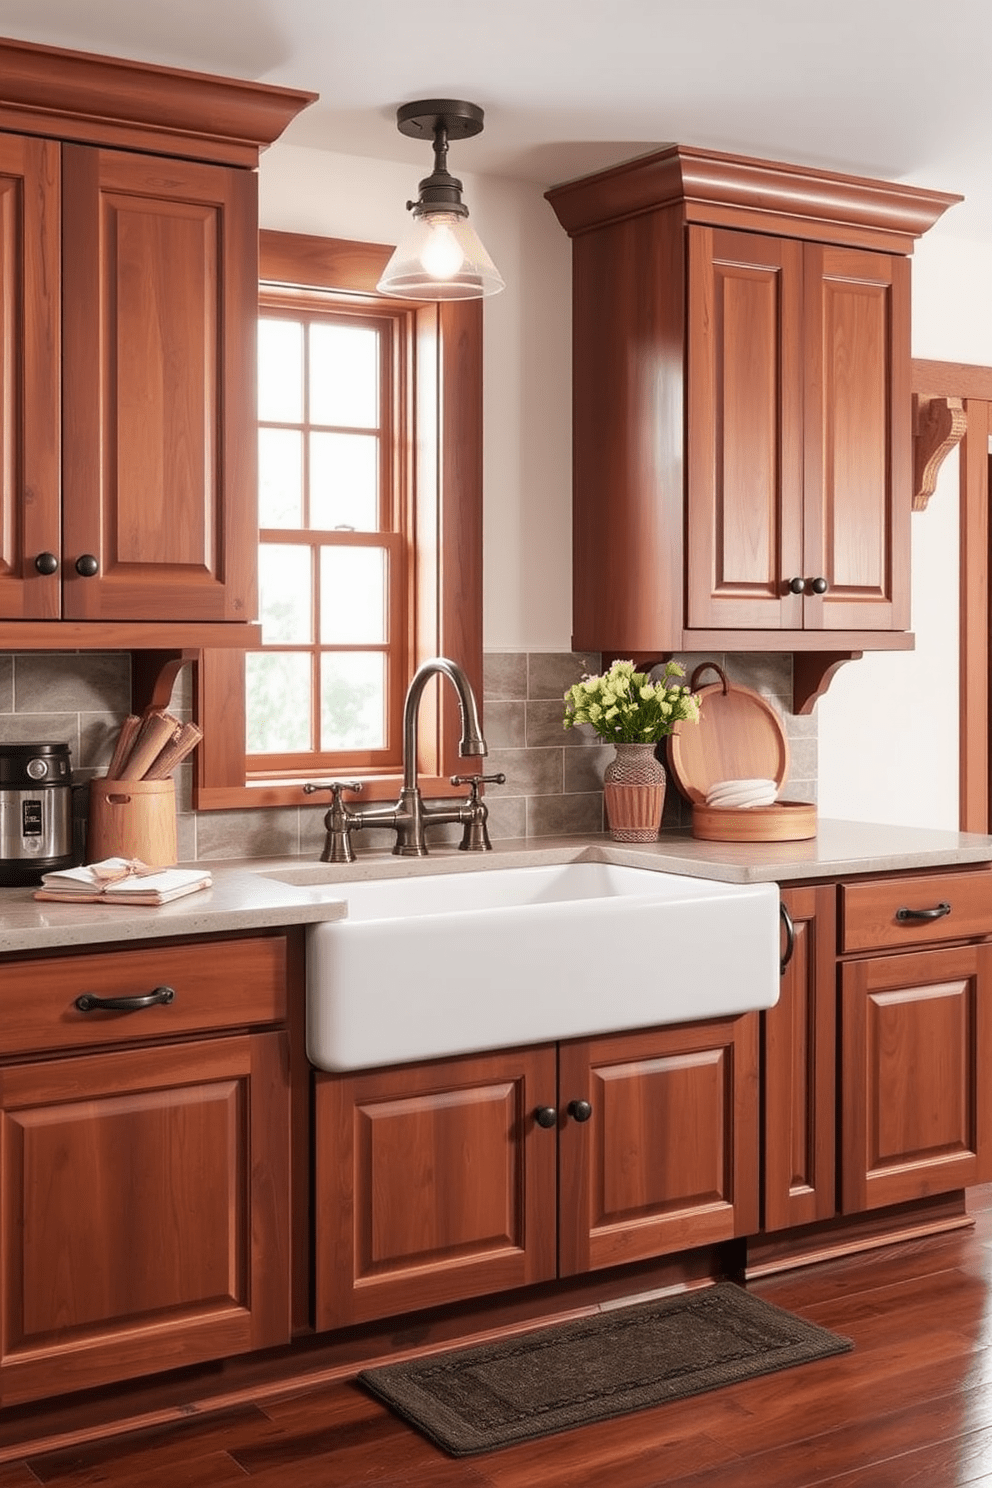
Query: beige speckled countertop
<point x="254" y="894"/>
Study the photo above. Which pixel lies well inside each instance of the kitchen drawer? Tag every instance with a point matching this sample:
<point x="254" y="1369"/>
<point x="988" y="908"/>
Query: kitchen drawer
<point x="869" y="912"/>
<point x="217" y="984"/>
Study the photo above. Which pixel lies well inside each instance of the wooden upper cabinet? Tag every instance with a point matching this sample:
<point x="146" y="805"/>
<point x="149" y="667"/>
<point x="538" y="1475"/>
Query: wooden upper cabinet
<point x="798" y="445"/>
<point x="742" y="402"/>
<point x="30" y="464"/>
<point x="128" y="302"/>
<point x="857" y="477"/>
<point x="160" y="286"/>
<point x="744" y="450"/>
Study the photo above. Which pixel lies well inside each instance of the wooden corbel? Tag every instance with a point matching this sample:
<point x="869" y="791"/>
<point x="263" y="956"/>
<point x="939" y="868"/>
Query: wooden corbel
<point x="938" y="425"/>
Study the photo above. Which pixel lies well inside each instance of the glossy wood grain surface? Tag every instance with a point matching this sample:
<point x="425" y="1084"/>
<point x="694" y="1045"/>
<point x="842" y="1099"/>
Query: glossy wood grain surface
<point x="84" y="96"/>
<point x="160" y="305"/>
<point x="858" y="438"/>
<point x="916" y="1048"/>
<point x="910" y="1407"/>
<point x="30" y="360"/>
<point x="217" y="984"/>
<point x="628" y="351"/>
<point x="870" y="916"/>
<point x="744" y="455"/>
<point x="798" y="1049"/>
<point x="434" y="1182"/>
<point x="145" y="1210"/>
<point x="669" y="1157"/>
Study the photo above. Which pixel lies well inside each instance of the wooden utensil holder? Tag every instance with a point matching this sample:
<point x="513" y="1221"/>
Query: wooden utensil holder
<point x="133" y="819"/>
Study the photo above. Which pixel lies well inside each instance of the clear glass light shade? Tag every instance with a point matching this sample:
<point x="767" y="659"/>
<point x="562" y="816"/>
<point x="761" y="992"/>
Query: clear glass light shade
<point x="440" y="258"/>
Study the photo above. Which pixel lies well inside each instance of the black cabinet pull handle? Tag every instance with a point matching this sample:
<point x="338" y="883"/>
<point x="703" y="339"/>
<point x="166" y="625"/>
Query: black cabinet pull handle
<point x="937" y="913"/>
<point x="790" y="938"/>
<point x="819" y="586"/>
<point x="46" y="563"/>
<point x="579" y="1110"/>
<point x="88" y="1002"/>
<point x="797" y="586"/>
<point x="546" y="1116"/>
<point x="87" y="565"/>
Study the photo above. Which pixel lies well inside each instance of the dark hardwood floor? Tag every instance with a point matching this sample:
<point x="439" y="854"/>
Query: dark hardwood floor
<point x="911" y="1407"/>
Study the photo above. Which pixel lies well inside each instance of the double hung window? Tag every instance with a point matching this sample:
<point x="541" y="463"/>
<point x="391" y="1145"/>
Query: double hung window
<point x="369" y="532"/>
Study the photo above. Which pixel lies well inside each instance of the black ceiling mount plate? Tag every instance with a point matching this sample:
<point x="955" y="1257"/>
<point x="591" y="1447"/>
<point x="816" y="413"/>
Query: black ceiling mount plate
<point x="420" y="119"/>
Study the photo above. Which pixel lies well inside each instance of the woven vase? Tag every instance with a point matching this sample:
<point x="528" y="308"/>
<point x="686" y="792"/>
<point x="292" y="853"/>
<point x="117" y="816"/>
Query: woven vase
<point x="634" y="787"/>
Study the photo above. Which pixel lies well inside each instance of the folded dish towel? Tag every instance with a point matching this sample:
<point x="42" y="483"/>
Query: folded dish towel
<point x="741" y="794"/>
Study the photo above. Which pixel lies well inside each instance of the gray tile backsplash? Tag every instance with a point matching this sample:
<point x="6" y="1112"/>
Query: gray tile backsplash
<point x="554" y="775"/>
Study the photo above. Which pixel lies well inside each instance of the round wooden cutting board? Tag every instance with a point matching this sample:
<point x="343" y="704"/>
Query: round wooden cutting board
<point x="739" y="736"/>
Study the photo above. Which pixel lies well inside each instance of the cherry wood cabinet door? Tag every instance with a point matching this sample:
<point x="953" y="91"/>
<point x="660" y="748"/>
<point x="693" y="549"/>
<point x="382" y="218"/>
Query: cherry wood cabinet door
<point x="160" y="303"/>
<point x="667" y="1158"/>
<point x="916" y="1099"/>
<point x="858" y="445"/>
<point x="798" y="1057"/>
<point x="744" y="453"/>
<point x="30" y="472"/>
<point x="434" y="1182"/>
<point x="144" y="1211"/>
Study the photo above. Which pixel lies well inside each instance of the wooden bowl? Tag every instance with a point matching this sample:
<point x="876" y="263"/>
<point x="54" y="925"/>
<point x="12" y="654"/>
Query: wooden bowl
<point x="785" y="821"/>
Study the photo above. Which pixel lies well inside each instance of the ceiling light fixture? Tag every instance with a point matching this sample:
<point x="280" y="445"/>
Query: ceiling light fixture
<point x="441" y="257"/>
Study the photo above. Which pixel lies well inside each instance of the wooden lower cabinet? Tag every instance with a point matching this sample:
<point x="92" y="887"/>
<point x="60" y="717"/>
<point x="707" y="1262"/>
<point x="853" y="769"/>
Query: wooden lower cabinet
<point x="916" y="1050"/>
<point x="145" y="1160"/>
<point x="144" y="1211"/>
<point x="436" y="1182"/>
<point x="799" y="1067"/>
<point x="667" y="1159"/>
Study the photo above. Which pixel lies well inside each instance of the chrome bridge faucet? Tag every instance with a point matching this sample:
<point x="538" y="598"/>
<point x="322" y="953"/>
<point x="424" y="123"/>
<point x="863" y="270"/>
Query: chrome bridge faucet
<point x="412" y="813"/>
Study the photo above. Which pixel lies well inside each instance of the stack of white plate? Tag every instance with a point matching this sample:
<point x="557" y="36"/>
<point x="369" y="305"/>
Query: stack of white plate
<point x="739" y="795"/>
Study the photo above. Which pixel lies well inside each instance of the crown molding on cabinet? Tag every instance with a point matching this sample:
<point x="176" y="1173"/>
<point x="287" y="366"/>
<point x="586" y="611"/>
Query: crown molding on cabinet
<point x="108" y="100"/>
<point x="760" y="195"/>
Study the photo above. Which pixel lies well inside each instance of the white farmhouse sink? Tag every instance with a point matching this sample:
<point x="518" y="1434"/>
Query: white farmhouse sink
<point x="444" y="964"/>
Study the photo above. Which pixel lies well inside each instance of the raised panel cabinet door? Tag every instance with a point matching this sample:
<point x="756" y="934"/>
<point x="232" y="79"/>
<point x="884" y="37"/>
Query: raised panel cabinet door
<point x="160" y="305"/>
<point x="667" y="1156"/>
<point x="858" y="471"/>
<point x="798" y="1057"/>
<point x="30" y="417"/>
<point x="744" y="431"/>
<point x="434" y="1182"/>
<point x="144" y="1211"/>
<point x="916" y="1100"/>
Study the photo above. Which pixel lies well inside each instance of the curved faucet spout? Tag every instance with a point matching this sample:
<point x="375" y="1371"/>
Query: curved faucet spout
<point x="472" y="741"/>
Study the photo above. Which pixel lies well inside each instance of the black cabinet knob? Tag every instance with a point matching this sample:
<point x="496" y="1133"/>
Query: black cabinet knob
<point x="797" y="586"/>
<point x="546" y="1116"/>
<point x="579" y="1110"/>
<point x="819" y="586"/>
<point x="46" y="563"/>
<point x="87" y="565"/>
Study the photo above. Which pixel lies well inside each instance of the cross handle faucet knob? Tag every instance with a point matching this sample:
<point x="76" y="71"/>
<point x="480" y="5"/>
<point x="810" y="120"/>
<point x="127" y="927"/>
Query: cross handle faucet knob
<point x="335" y="787"/>
<point x="474" y="781"/>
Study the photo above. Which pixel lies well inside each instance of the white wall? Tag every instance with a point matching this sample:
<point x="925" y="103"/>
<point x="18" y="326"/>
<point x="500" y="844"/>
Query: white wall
<point x="888" y="726"/>
<point x="527" y="386"/>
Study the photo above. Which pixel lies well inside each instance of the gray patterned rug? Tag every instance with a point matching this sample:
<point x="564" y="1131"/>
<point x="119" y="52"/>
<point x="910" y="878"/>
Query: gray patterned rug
<point x="492" y="1395"/>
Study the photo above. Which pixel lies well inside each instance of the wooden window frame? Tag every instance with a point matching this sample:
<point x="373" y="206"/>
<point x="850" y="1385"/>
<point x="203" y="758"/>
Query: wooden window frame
<point x="445" y="578"/>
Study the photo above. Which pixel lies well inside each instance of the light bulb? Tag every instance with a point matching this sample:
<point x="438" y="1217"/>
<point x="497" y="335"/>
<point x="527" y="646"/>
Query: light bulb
<point x="441" y="255"/>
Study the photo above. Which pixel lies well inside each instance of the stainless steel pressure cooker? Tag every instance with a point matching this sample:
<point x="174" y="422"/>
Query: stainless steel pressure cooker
<point x="35" y="811"/>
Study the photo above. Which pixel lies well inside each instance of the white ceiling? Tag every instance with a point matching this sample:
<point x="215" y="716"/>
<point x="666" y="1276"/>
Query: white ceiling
<point x="879" y="87"/>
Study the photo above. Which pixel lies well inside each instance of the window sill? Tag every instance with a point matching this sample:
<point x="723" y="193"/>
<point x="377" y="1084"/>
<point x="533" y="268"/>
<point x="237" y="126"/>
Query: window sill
<point x="290" y="792"/>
